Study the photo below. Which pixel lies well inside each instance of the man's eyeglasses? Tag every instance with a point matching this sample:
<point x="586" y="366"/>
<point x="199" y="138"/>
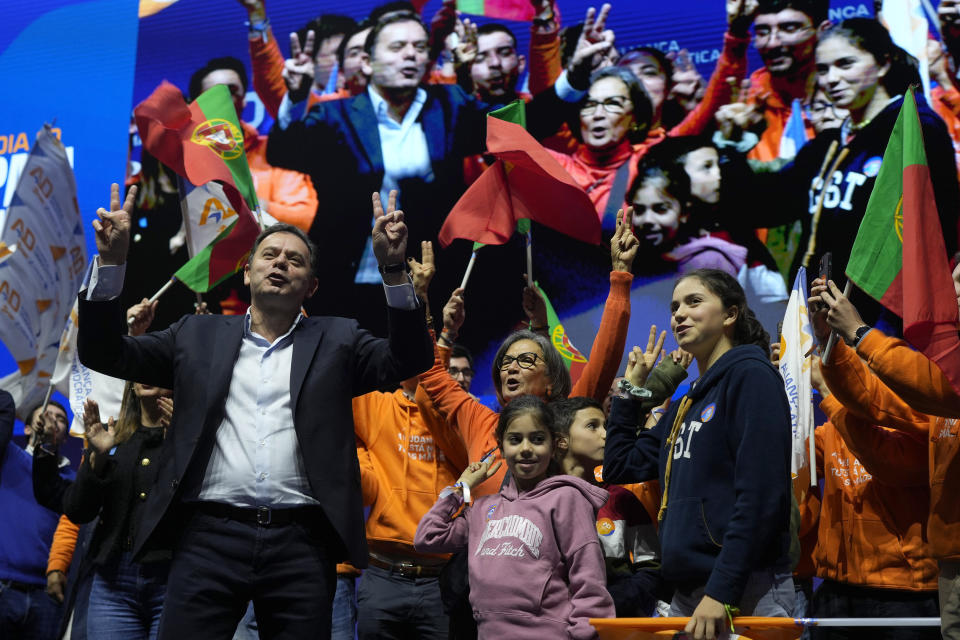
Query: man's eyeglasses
<point x="788" y="33"/>
<point x="466" y="372"/>
<point x="524" y="360"/>
<point x="614" y="106"/>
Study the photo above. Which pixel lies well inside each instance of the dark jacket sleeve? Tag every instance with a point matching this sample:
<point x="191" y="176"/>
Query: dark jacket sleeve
<point x="7" y="415"/>
<point x="759" y="525"/>
<point x="48" y="485"/>
<point x="83" y="500"/>
<point x="406" y="353"/>
<point x="628" y="457"/>
<point x="103" y="345"/>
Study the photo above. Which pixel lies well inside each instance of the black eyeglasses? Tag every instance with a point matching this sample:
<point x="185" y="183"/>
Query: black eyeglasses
<point x="524" y="360"/>
<point x="613" y="106"/>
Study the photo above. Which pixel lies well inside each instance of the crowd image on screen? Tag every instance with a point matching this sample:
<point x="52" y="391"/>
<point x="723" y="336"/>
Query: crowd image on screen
<point x="357" y="435"/>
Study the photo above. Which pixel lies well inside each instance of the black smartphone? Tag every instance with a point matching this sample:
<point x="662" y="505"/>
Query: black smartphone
<point x="826" y="266"/>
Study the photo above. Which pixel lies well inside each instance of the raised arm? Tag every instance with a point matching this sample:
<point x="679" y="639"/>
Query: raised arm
<point x="611" y="339"/>
<point x="266" y="57"/>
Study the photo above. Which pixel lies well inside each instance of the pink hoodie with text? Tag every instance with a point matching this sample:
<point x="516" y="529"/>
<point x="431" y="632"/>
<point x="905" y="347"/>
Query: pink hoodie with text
<point x="535" y="563"/>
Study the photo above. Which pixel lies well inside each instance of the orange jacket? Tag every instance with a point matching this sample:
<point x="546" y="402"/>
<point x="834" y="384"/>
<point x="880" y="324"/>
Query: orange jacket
<point x="477" y="423"/>
<point x="867" y="395"/>
<point x="407" y="465"/>
<point x="286" y="195"/>
<point x="872" y="527"/>
<point x="775" y="99"/>
<point x="946" y="102"/>
<point x="268" y="76"/>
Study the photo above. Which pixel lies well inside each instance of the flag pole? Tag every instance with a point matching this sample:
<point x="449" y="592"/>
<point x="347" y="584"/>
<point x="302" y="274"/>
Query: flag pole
<point x="159" y="293"/>
<point x="529" y="260"/>
<point x="466" y="276"/>
<point x="812" y="442"/>
<point x="184" y="212"/>
<point x="832" y="340"/>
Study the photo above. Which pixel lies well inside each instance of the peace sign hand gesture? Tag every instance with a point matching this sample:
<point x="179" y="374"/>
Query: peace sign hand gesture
<point x="298" y="68"/>
<point x="113" y="227"/>
<point x="389" y="236"/>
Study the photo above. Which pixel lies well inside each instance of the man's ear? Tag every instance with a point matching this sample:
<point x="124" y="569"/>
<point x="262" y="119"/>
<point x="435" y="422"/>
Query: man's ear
<point x="367" y="66"/>
<point x="246" y="273"/>
<point x="313" y="287"/>
<point x="521" y="64"/>
<point x="562" y="443"/>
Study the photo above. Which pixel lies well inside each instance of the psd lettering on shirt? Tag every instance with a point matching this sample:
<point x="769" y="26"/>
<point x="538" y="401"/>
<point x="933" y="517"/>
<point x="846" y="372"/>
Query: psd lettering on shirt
<point x="521" y="533"/>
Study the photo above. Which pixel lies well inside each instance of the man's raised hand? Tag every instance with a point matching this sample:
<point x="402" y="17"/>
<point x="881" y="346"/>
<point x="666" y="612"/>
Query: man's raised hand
<point x="113" y="227"/>
<point x="298" y="68"/>
<point x="389" y="236"/>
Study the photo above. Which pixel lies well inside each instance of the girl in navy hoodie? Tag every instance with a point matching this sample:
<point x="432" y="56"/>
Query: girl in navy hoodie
<point x="722" y="456"/>
<point x="534" y="560"/>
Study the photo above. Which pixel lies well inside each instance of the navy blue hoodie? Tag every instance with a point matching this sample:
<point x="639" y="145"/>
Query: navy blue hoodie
<point x="728" y="498"/>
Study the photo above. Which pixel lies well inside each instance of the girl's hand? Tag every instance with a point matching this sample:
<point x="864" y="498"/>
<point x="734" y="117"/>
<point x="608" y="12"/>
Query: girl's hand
<point x="100" y="439"/>
<point x="165" y="405"/>
<point x="681" y="357"/>
<point x="707" y="620"/>
<point x="641" y="363"/>
<point x="477" y="472"/>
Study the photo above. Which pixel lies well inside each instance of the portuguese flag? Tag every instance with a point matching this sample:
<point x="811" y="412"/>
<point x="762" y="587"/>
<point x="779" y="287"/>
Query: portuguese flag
<point x="203" y="142"/>
<point x="520" y="10"/>
<point x="525" y="183"/>
<point x="572" y="357"/>
<point x="899" y="257"/>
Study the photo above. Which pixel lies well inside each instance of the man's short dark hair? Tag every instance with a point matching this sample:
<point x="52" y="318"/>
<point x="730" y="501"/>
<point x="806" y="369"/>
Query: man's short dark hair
<point x="33" y="412"/>
<point x="817" y="10"/>
<point x="565" y="411"/>
<point x="342" y="49"/>
<point x="398" y="6"/>
<point x="387" y="20"/>
<point x="460" y="351"/>
<point x="496" y="27"/>
<point x="283" y="227"/>
<point x="324" y="27"/>
<point x="216" y="64"/>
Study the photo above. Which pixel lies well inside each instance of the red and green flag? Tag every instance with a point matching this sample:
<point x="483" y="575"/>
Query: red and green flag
<point x="520" y="10"/>
<point x="203" y="142"/>
<point x="572" y="357"/>
<point x="525" y="183"/>
<point x="899" y="257"/>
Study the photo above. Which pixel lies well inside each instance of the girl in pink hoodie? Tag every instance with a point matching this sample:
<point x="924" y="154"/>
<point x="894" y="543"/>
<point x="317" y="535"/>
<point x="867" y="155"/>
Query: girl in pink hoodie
<point x="535" y="563"/>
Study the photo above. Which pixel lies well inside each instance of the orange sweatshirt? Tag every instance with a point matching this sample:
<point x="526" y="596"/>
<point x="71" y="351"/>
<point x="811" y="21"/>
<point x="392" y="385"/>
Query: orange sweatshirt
<point x="406" y="469"/>
<point x="477" y="424"/>
<point x="286" y="195"/>
<point x="867" y="395"/>
<point x="872" y="527"/>
<point x="61" y="549"/>
<point x="775" y="101"/>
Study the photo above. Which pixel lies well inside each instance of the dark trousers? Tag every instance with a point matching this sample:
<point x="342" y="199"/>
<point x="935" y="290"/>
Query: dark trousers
<point x="838" y="600"/>
<point x="394" y="607"/>
<point x="220" y="565"/>
<point x="27" y="613"/>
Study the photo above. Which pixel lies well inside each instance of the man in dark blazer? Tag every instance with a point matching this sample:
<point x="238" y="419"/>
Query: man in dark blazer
<point x="407" y="135"/>
<point x="258" y="492"/>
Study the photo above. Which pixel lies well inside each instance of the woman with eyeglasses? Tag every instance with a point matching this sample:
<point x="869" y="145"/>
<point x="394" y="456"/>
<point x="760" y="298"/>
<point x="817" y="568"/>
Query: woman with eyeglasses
<point x="829" y="183"/>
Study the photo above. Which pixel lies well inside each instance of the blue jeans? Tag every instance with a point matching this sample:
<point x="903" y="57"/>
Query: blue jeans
<point x="344" y="614"/>
<point x="126" y="600"/>
<point x="28" y="615"/>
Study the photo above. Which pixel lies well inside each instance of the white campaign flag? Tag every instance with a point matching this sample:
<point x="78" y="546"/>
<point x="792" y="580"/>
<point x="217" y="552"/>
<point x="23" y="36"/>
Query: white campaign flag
<point x="77" y="382"/>
<point x="796" y="338"/>
<point x="206" y="213"/>
<point x="42" y="263"/>
<point x="908" y="27"/>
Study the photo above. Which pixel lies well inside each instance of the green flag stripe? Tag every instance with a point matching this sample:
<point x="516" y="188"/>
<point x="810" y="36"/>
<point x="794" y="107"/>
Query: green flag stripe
<point x="217" y="104"/>
<point x="877" y="254"/>
<point x="474" y="7"/>
<point x="195" y="274"/>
